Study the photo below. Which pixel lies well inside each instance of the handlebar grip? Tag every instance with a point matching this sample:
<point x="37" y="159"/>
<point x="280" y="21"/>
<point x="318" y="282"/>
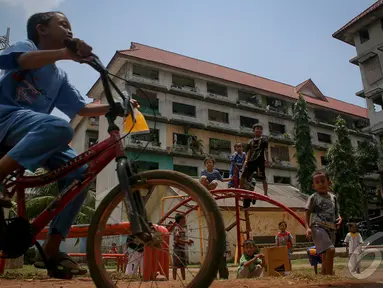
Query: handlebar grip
<point x="71" y="44"/>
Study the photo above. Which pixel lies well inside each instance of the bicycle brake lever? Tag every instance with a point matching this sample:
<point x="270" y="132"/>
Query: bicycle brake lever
<point x="128" y="106"/>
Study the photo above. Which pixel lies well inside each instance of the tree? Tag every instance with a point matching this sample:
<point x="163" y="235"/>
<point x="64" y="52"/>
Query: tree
<point x="304" y="149"/>
<point x="344" y="173"/>
<point x="38" y="199"/>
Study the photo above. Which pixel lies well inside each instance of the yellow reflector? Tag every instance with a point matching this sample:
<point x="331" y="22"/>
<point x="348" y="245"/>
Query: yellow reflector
<point x="139" y="126"/>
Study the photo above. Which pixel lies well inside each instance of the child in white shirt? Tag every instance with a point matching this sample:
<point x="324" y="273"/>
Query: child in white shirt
<point x="353" y="243"/>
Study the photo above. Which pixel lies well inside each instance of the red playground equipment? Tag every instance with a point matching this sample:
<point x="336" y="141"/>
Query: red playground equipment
<point x="219" y="194"/>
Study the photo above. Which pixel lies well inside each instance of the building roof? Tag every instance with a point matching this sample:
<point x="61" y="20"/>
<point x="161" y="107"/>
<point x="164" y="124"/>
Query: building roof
<point x="156" y="55"/>
<point x="341" y="33"/>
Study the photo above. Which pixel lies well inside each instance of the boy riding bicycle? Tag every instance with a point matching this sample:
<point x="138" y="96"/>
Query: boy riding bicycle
<point x="29" y="90"/>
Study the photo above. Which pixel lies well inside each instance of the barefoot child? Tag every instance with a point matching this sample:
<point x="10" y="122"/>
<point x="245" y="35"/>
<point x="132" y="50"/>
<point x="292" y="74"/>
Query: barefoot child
<point x="284" y="238"/>
<point x="325" y="221"/>
<point x="256" y="156"/>
<point x="251" y="264"/>
<point x="179" y="246"/>
<point x="210" y="176"/>
<point x="353" y="243"/>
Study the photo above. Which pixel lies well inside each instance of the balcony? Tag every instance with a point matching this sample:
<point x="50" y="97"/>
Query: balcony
<point x="247" y="98"/>
<point x="277" y="106"/>
<point x="284" y="138"/>
<point x="93" y="123"/>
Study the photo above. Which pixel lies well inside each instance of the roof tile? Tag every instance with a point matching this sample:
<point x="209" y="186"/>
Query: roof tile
<point x="164" y="57"/>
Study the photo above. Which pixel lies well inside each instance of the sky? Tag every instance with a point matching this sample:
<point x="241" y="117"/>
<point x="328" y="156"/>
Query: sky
<point x="287" y="41"/>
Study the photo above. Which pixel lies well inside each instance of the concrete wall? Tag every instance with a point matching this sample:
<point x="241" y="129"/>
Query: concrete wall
<point x="376" y="40"/>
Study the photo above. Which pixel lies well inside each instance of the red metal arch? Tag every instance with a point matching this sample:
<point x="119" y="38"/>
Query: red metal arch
<point x="234" y="193"/>
<point x="238" y="194"/>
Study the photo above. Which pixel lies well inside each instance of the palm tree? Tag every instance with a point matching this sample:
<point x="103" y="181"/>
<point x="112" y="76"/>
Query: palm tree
<point x="38" y="199"/>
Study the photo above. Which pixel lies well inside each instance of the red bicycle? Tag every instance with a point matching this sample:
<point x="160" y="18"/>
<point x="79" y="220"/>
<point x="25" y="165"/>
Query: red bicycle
<point x="18" y="234"/>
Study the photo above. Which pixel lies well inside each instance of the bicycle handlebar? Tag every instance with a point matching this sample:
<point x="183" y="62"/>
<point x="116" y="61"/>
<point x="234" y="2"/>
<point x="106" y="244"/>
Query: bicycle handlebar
<point x="97" y="65"/>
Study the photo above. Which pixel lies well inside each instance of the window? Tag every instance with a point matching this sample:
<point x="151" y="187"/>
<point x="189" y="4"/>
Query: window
<point x="184" y="109"/>
<point x="153" y="137"/>
<point x="146" y="165"/>
<point x="247" y="122"/>
<point x="325" y="138"/>
<point x="372" y="69"/>
<point x="181" y="81"/>
<point x="276" y="129"/>
<point x="218" y="116"/>
<point x="219" y="147"/>
<point x="378" y="103"/>
<point x="181" y="139"/>
<point x="283" y="180"/>
<point x="364" y="36"/>
<point x="323" y="161"/>
<point x="145" y="72"/>
<point x="250" y="97"/>
<point x="148" y="101"/>
<point x="276" y="105"/>
<point x="92" y="142"/>
<point x="216" y="89"/>
<point x="188" y="170"/>
<point x="93" y="121"/>
<point x="280" y="153"/>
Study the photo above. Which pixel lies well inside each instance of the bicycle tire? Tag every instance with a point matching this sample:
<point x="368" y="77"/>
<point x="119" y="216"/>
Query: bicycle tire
<point x="209" y="268"/>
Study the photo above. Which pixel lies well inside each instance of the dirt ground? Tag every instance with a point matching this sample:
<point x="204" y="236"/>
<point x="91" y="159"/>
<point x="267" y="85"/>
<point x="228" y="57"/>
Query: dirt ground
<point x="301" y="278"/>
<point x="264" y="283"/>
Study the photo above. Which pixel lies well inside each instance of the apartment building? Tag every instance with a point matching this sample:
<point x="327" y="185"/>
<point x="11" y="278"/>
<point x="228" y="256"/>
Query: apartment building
<point x="365" y="33"/>
<point x="201" y="108"/>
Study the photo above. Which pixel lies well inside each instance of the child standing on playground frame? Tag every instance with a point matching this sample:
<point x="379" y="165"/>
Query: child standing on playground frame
<point x="236" y="162"/>
<point x="325" y="221"/>
<point x="256" y="157"/>
<point x="210" y="176"/>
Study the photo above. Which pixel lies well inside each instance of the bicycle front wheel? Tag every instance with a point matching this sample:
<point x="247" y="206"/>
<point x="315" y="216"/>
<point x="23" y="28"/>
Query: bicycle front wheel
<point x="193" y="199"/>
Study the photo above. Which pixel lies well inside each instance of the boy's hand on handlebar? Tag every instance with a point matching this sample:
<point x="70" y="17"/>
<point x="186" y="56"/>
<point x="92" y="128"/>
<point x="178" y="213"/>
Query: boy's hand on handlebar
<point x="135" y="103"/>
<point x="78" y="50"/>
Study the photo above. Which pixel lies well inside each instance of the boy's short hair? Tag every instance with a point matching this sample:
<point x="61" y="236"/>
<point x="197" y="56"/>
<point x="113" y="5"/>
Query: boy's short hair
<point x="249" y="242"/>
<point x="237" y="145"/>
<point x="320" y="171"/>
<point x="207" y="159"/>
<point x="352" y="224"/>
<point x="179" y="217"/>
<point x="282" y="222"/>
<point x="257" y="125"/>
<point x="37" y="19"/>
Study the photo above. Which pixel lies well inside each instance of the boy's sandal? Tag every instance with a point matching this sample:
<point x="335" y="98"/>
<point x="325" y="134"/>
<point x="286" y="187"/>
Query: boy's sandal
<point x="61" y="266"/>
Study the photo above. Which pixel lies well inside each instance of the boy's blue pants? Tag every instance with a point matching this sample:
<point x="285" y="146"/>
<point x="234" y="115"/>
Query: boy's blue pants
<point x="41" y="140"/>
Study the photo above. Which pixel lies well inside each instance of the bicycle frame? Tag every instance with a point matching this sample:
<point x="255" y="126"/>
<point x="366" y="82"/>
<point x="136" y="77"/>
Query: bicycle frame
<point x="97" y="158"/>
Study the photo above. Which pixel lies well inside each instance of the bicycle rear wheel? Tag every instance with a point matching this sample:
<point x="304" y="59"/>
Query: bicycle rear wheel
<point x="204" y="202"/>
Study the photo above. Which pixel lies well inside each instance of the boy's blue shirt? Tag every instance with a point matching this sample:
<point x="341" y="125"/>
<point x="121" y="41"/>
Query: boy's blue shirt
<point x="40" y="90"/>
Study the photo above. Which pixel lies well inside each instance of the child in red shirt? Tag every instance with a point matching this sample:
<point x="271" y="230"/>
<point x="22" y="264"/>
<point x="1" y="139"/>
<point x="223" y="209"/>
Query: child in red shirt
<point x="284" y="238"/>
